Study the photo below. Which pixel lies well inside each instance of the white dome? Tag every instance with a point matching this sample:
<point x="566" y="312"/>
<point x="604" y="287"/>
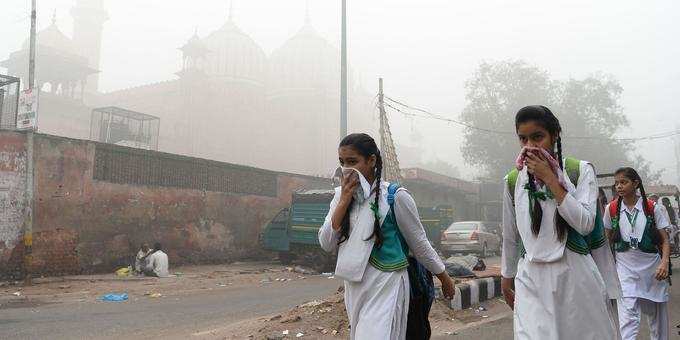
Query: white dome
<point x="234" y="54"/>
<point x="305" y="61"/>
<point x="53" y="38"/>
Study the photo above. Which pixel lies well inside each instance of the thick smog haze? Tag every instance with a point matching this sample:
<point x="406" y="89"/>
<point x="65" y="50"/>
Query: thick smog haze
<point x="425" y="51"/>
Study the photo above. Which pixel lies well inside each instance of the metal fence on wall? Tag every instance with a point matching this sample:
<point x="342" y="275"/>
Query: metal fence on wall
<point x="9" y="101"/>
<point x="124" y="127"/>
<point x="142" y="167"/>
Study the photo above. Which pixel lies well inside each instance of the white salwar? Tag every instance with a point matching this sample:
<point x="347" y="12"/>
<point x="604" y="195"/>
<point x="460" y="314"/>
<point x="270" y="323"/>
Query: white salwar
<point x="642" y="293"/>
<point x="559" y="294"/>
<point x="376" y="301"/>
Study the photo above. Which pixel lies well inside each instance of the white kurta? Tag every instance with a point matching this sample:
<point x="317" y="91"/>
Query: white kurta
<point x="377" y="302"/>
<point x="636" y="268"/>
<point x="559" y="294"/>
<point x="642" y="293"/>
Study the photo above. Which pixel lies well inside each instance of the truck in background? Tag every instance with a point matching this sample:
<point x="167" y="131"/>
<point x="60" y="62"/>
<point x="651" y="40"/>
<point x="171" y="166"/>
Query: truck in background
<point x="293" y="232"/>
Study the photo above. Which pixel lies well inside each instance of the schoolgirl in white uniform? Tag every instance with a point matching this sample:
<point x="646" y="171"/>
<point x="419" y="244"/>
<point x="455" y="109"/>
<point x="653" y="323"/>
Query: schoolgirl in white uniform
<point x="373" y="244"/>
<point x="549" y="276"/>
<point x="636" y="228"/>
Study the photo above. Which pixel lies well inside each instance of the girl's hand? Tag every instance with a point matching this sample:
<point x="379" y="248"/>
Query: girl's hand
<point x="540" y="168"/>
<point x="349" y="184"/>
<point x="448" y="286"/>
<point x="662" y="271"/>
<point x="508" y="289"/>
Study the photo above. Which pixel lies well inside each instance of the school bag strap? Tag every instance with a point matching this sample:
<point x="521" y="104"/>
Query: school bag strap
<point x="573" y="168"/>
<point x="646" y="243"/>
<point x="512" y="182"/>
<point x="422" y="293"/>
<point x="391" y="192"/>
<point x="614" y="208"/>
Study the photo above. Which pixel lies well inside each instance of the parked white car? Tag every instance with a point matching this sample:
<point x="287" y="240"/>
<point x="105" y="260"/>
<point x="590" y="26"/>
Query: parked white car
<point x="478" y="237"/>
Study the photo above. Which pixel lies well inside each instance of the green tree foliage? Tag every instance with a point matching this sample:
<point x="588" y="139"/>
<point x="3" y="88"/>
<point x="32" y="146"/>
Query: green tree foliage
<point x="586" y="108"/>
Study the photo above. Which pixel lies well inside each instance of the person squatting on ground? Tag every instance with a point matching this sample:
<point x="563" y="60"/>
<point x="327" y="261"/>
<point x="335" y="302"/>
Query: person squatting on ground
<point x="157" y="262"/>
<point x="549" y="277"/>
<point x="374" y="239"/>
<point x="636" y="228"/>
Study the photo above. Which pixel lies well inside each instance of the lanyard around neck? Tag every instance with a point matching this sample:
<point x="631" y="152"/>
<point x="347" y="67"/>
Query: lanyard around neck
<point x="632" y="219"/>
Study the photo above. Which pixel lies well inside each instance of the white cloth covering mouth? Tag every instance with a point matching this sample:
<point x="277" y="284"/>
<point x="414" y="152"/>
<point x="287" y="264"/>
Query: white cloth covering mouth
<point x="364" y="190"/>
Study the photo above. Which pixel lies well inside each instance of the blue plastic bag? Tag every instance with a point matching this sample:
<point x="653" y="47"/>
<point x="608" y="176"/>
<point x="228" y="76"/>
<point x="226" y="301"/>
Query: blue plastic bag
<point x="114" y="297"/>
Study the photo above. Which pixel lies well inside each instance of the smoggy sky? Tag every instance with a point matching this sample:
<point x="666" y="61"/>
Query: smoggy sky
<point x="424" y="49"/>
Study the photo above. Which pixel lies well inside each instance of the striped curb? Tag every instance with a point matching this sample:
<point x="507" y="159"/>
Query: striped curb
<point x="473" y="292"/>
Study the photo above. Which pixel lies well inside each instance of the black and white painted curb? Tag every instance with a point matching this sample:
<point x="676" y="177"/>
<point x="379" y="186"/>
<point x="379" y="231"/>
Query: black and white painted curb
<point x="473" y="292"/>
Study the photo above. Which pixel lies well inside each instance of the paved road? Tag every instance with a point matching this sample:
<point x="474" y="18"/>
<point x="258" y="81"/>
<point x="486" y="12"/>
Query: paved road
<point x="152" y="318"/>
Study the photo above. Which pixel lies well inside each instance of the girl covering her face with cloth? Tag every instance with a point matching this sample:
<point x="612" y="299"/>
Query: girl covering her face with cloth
<point x="374" y="238"/>
<point x="636" y="228"/>
<point x="550" y="278"/>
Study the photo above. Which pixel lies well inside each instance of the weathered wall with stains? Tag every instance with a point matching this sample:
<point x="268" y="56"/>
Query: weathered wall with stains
<point x="83" y="224"/>
<point x="12" y="202"/>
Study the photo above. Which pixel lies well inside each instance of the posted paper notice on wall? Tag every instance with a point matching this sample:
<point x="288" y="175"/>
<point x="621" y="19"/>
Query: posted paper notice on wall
<point x="27" y="114"/>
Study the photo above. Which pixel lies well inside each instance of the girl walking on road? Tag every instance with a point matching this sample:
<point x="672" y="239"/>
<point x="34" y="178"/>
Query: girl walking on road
<point x="549" y="229"/>
<point x="373" y="237"/>
<point x="636" y="227"/>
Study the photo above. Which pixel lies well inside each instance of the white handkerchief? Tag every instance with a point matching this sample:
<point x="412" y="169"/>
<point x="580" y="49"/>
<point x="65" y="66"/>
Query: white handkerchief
<point x="363" y="191"/>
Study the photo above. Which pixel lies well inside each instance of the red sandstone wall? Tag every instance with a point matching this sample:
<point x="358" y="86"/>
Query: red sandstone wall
<point x="83" y="225"/>
<point x="12" y="202"/>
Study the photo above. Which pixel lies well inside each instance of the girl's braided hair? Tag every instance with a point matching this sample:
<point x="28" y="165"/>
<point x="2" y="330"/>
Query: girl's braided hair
<point x="546" y="119"/>
<point x="366" y="146"/>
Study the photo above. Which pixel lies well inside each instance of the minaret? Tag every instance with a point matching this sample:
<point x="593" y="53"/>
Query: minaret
<point x="192" y="82"/>
<point x="88" y="21"/>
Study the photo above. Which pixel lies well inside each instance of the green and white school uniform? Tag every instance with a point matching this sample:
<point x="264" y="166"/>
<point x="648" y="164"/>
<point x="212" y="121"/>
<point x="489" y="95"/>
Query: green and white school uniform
<point x="376" y="280"/>
<point x="642" y="293"/>
<point x="560" y="293"/>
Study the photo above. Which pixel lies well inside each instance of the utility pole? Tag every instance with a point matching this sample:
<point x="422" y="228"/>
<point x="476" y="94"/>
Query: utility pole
<point x="31" y="60"/>
<point x="28" y="209"/>
<point x="677" y="153"/>
<point x="391" y="170"/>
<point x="343" y="73"/>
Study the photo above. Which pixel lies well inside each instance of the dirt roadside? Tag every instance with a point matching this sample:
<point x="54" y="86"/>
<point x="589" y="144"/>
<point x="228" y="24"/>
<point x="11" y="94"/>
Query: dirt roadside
<point x="318" y="319"/>
<point x="327" y="319"/>
<point x="185" y="280"/>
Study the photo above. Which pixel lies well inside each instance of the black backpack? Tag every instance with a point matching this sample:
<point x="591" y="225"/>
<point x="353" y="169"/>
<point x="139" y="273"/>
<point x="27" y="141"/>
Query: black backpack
<point x="422" y="290"/>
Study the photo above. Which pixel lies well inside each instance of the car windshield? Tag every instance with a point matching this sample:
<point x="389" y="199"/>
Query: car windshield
<point x="462" y="227"/>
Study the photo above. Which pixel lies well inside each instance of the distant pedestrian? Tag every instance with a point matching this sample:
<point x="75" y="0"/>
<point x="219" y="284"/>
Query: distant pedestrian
<point x="374" y="241"/>
<point x="674" y="229"/>
<point x="636" y="229"/>
<point x="672" y="215"/>
<point x="157" y="262"/>
<point x="550" y="229"/>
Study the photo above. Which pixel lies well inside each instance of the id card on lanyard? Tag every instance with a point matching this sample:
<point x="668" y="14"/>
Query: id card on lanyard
<point x="632" y="219"/>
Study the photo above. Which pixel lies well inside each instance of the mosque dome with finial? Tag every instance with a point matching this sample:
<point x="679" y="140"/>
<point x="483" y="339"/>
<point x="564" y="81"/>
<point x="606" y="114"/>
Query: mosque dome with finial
<point x="234" y="54"/>
<point x="52" y="37"/>
<point x="306" y="60"/>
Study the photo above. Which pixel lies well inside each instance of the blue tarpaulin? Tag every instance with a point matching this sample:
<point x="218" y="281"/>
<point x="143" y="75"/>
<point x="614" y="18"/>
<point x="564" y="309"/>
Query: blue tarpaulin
<point x="114" y="297"/>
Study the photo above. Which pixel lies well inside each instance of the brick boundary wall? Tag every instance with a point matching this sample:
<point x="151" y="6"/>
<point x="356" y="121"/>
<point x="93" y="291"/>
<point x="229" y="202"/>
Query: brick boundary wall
<point x="92" y="219"/>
